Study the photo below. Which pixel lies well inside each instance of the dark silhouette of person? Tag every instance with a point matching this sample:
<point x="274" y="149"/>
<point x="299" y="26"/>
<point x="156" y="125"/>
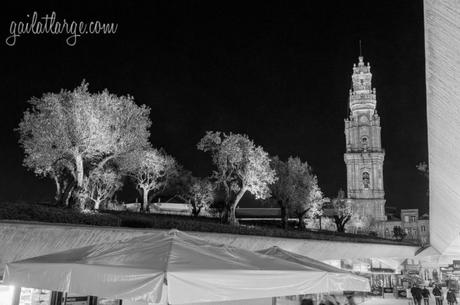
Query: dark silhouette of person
<point x="426" y="295"/>
<point x="416" y="294"/>
<point x="307" y="302"/>
<point x="451" y="299"/>
<point x="437" y="292"/>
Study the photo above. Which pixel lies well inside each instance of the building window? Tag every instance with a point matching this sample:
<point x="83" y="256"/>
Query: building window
<point x="366" y="179"/>
<point x="406" y="218"/>
<point x="423" y="228"/>
<point x="412" y="219"/>
<point x="387" y="232"/>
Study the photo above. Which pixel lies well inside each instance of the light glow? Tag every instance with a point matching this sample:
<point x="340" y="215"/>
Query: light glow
<point x="6" y="294"/>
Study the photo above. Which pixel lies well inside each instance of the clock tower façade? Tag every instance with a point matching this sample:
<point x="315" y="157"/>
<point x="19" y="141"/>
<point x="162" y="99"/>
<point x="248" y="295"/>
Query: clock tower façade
<point x="364" y="154"/>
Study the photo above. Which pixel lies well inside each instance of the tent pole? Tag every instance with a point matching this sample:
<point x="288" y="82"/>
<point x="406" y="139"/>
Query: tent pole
<point x="16" y="295"/>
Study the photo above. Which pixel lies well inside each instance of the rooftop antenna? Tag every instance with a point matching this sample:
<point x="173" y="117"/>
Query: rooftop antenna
<point x="360" y="53"/>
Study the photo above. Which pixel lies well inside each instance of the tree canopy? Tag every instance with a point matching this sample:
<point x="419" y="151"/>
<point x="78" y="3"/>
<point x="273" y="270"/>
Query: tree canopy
<point x="241" y="167"/>
<point x="343" y="211"/>
<point x="199" y="194"/>
<point x="73" y="131"/>
<point x="296" y="190"/>
<point x="151" y="170"/>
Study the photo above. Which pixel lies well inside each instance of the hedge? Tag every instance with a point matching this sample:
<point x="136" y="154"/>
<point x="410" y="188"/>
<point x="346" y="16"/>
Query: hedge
<point x="53" y="214"/>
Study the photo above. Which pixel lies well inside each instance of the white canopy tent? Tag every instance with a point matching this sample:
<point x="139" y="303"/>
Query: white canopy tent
<point x="336" y="279"/>
<point x="171" y="267"/>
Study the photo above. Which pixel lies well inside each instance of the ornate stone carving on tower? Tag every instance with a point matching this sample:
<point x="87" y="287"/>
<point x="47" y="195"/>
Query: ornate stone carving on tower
<point x="364" y="154"/>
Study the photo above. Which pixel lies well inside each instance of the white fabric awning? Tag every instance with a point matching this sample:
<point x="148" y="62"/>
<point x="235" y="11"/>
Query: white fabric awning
<point x="170" y="267"/>
<point x="336" y="280"/>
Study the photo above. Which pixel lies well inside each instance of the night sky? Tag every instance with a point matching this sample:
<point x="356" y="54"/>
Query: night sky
<point x="279" y="73"/>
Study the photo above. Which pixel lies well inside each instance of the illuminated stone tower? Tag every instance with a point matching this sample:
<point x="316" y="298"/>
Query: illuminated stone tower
<point x="364" y="154"/>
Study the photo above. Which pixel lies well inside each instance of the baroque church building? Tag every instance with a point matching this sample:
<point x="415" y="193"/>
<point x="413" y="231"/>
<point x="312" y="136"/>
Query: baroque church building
<point x="364" y="155"/>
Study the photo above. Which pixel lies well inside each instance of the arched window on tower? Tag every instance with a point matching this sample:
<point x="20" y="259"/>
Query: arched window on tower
<point x="364" y="143"/>
<point x="366" y="179"/>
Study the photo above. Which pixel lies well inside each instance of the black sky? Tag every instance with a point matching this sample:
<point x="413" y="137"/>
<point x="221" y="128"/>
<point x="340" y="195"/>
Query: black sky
<point x="279" y="72"/>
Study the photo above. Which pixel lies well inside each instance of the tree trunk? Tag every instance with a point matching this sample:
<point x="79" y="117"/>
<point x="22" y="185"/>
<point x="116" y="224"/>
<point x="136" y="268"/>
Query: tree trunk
<point x="338" y="224"/>
<point x="79" y="167"/>
<point x="68" y="194"/>
<point x="301" y="217"/>
<point x="320" y="218"/>
<point x="232" y="217"/>
<point x="195" y="211"/>
<point x="97" y="204"/>
<point x="78" y="191"/>
<point x="105" y="160"/>
<point x="145" y="200"/>
<point x="285" y="217"/>
<point x="225" y="214"/>
<point x="226" y="211"/>
<point x="301" y="224"/>
<point x="58" y="197"/>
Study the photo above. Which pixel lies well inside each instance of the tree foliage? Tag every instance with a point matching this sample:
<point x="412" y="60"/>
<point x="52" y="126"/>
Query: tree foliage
<point x="151" y="170"/>
<point x="67" y="134"/>
<point x="199" y="194"/>
<point x="296" y="190"/>
<point x="101" y="184"/>
<point x="399" y="233"/>
<point x="241" y="167"/>
<point x="313" y="207"/>
<point x="342" y="211"/>
<point x="423" y="169"/>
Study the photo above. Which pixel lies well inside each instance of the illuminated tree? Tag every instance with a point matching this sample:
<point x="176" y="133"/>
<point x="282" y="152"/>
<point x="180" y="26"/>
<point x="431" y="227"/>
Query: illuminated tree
<point x="342" y="211"/>
<point x="199" y="194"/>
<point x="296" y="190"/>
<point x="75" y="131"/>
<point x="101" y="184"/>
<point x="312" y="207"/>
<point x="241" y="167"/>
<point x="152" y="170"/>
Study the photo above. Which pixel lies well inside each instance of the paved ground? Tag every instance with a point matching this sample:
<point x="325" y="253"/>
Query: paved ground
<point x="388" y="301"/>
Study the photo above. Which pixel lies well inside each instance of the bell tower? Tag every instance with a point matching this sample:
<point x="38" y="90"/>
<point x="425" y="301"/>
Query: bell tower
<point x="364" y="154"/>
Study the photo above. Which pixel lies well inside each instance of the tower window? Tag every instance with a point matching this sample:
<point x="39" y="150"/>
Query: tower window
<point x="366" y="179"/>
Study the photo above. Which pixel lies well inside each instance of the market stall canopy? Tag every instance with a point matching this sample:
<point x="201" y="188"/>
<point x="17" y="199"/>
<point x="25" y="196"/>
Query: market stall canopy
<point x="170" y="267"/>
<point x="336" y="279"/>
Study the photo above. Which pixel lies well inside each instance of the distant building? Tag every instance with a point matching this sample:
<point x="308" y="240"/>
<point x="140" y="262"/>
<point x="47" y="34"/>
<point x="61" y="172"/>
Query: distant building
<point x="417" y="228"/>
